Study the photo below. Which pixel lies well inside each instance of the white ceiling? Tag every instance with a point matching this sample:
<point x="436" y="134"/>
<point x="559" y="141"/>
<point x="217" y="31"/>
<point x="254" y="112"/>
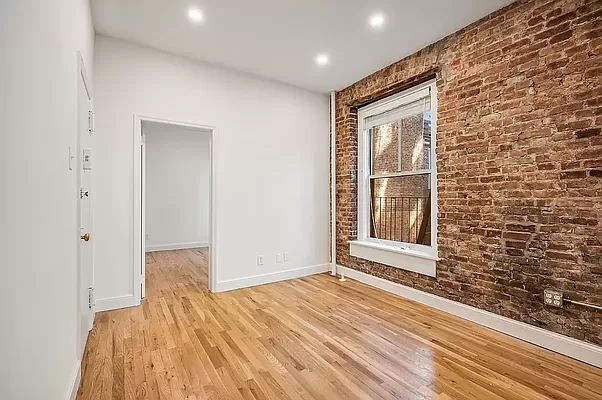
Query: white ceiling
<point x="279" y="39"/>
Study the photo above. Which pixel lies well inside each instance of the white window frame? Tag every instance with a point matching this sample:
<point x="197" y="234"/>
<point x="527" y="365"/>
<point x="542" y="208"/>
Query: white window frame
<point x="409" y="256"/>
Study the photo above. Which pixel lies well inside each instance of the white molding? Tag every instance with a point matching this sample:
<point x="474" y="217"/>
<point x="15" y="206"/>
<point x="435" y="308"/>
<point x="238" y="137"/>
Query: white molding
<point x="272" y="277"/>
<point x="176" y="246"/>
<point x="407" y="259"/>
<point x="565" y="345"/>
<point x="114" y="303"/>
<point x="138" y="270"/>
<point x="394" y="247"/>
<point x="76" y="377"/>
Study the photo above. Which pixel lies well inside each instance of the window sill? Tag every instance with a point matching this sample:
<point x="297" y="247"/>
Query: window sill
<point x="409" y="260"/>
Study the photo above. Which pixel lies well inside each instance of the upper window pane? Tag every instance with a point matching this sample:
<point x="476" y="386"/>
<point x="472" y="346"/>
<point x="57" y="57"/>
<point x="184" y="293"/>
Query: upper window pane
<point x="404" y="143"/>
<point x="384" y="140"/>
<point x="415" y="142"/>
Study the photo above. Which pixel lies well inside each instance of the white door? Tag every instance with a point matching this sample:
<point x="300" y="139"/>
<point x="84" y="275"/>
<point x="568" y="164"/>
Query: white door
<point x="85" y="195"/>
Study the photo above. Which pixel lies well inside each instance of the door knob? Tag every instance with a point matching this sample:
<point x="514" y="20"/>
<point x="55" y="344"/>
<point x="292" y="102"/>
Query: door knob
<point x="85" y="237"/>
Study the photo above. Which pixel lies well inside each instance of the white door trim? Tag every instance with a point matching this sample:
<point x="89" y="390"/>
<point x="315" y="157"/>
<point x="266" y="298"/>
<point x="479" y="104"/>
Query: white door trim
<point x="142" y="213"/>
<point x="137" y="246"/>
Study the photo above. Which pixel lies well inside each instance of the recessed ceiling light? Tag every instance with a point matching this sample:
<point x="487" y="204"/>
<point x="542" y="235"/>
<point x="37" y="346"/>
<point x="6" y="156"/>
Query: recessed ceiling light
<point x="195" y="15"/>
<point x="377" y="21"/>
<point x="322" y="60"/>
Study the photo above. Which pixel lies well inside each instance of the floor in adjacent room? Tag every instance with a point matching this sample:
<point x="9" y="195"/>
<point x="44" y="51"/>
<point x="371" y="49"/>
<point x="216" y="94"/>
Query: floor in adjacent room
<point x="310" y="338"/>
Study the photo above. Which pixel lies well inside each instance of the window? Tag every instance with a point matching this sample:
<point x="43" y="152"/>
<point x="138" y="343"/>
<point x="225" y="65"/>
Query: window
<point x="397" y="181"/>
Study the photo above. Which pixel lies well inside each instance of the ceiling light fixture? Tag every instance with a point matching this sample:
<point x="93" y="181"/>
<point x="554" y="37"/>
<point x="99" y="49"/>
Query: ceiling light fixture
<point x="377" y="21"/>
<point x="195" y="15"/>
<point x="322" y="60"/>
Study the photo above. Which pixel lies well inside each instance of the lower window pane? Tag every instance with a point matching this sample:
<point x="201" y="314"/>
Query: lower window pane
<point x="400" y="209"/>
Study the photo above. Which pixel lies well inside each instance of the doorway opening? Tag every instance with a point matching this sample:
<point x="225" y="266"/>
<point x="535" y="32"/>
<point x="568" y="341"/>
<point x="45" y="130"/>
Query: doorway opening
<point x="174" y="183"/>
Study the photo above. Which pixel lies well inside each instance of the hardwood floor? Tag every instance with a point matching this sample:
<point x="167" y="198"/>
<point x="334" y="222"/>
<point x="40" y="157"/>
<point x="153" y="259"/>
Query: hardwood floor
<point x="310" y="338"/>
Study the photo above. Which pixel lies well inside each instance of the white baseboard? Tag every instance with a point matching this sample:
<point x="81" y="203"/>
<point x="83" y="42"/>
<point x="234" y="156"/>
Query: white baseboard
<point x="76" y="377"/>
<point x="262" y="279"/>
<point x="570" y="347"/>
<point x="113" y="303"/>
<point x="176" y="246"/>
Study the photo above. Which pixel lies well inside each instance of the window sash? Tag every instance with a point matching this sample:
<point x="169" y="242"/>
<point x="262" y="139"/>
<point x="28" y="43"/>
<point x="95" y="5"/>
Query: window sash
<point x="401" y="173"/>
<point x="418" y="106"/>
<point x="398" y="101"/>
<point x="365" y="175"/>
<point x="372" y="215"/>
<point x="421" y="103"/>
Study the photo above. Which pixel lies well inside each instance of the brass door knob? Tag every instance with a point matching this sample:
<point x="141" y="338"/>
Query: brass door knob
<point x="85" y="237"/>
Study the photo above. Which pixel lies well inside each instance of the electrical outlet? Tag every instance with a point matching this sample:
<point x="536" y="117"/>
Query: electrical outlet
<point x="286" y="256"/>
<point x="146" y="236"/>
<point x="278" y="258"/>
<point x="553" y="298"/>
<point x="259" y="260"/>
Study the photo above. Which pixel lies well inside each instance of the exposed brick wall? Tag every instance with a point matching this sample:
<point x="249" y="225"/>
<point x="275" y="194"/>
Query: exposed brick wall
<point x="519" y="149"/>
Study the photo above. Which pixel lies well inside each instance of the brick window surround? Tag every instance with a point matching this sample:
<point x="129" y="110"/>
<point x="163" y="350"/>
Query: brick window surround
<point x="519" y="162"/>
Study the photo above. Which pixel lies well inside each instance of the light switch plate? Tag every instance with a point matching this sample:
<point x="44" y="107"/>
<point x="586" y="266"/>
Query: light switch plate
<point x="86" y="159"/>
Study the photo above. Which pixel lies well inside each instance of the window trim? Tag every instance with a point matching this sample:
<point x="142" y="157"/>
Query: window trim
<point x="409" y="256"/>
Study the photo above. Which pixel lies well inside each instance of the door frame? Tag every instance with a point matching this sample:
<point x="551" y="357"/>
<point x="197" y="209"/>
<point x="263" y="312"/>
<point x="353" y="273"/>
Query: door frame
<point x="138" y="261"/>
<point x="83" y="75"/>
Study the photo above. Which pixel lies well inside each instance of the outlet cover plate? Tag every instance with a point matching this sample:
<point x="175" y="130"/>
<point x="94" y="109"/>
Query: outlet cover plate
<point x="553" y="298"/>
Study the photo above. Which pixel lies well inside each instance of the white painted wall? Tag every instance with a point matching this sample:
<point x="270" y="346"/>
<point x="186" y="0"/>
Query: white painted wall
<point x="177" y="186"/>
<point x="38" y="210"/>
<point x="272" y="160"/>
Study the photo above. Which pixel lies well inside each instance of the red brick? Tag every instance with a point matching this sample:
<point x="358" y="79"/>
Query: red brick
<point x="561" y="37"/>
<point x="585" y="133"/>
<point x="597" y="173"/>
<point x="573" y="175"/>
<point x="563" y="18"/>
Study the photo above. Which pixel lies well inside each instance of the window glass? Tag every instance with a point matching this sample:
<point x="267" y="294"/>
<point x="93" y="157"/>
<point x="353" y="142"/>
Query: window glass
<point x="403" y="144"/>
<point x="385" y="148"/>
<point x="400" y="209"/>
<point x="415" y="132"/>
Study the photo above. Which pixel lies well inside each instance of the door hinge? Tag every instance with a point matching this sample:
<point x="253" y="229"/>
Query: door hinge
<point x="91" y="297"/>
<point x="91" y="121"/>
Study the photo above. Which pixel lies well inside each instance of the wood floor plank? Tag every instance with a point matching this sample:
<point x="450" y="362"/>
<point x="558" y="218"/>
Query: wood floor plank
<point x="310" y="338"/>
